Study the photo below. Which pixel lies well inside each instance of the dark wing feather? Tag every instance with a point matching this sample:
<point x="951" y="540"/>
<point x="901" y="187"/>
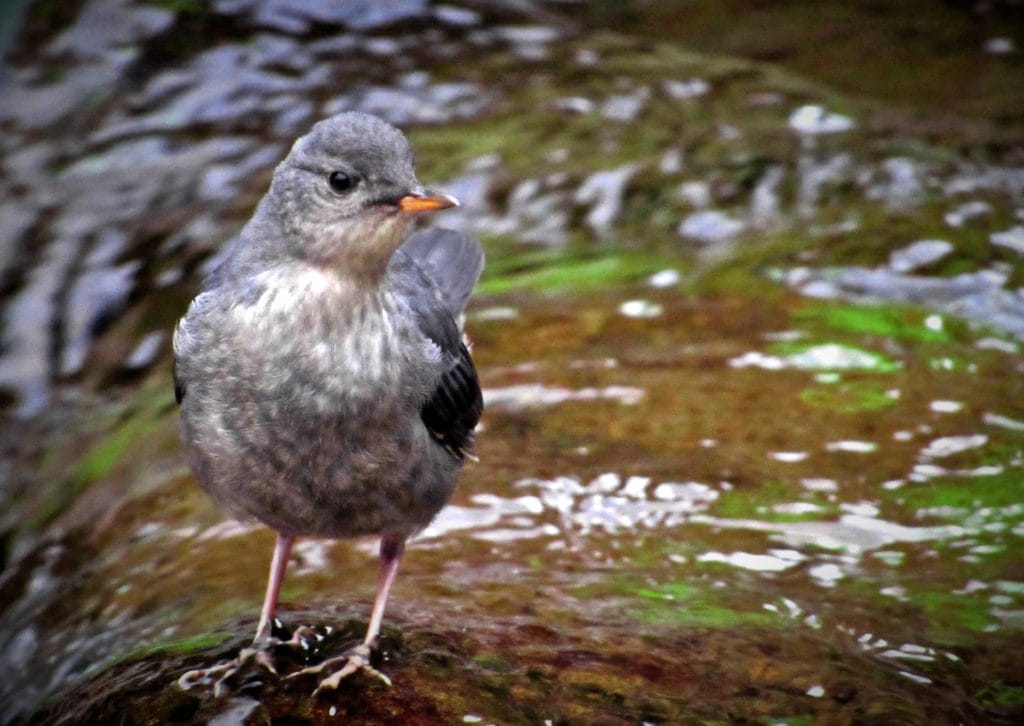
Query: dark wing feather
<point x="454" y="409"/>
<point x="179" y="384"/>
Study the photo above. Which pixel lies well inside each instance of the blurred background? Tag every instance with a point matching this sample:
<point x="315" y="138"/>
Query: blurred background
<point x="749" y="336"/>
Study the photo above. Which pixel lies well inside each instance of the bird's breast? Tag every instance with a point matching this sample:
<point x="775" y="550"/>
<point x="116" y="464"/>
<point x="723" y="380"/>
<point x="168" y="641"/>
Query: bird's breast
<point x="315" y="342"/>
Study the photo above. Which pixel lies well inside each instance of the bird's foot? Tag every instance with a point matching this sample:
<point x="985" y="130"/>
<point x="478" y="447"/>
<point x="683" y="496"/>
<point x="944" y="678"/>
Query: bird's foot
<point x="260" y="654"/>
<point x="222" y="673"/>
<point x="352" y="660"/>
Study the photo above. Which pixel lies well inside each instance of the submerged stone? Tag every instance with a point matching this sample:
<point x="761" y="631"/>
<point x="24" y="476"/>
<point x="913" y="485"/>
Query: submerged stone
<point x="710" y="227"/>
<point x="296" y="16"/>
<point x="623" y="108"/>
<point x="106" y="25"/>
<point x="812" y="120"/>
<point x="604" y="190"/>
<point x="1012" y="238"/>
<point x="919" y="254"/>
<point x="966" y="212"/>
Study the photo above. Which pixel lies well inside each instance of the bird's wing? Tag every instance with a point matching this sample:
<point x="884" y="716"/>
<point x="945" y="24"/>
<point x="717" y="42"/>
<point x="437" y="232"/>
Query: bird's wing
<point x="453" y="409"/>
<point x="452" y="260"/>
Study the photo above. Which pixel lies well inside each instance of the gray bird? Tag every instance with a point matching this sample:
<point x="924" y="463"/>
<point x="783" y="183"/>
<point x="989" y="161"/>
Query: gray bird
<point x="325" y="385"/>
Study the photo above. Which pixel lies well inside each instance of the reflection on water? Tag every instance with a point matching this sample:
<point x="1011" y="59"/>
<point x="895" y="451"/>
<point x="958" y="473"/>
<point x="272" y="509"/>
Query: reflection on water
<point x="607" y="503"/>
<point x="640" y="479"/>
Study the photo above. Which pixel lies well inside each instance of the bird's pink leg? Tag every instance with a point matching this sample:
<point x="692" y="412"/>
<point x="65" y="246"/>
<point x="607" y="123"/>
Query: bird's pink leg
<point x="278" y="565"/>
<point x="259" y="651"/>
<point x="391" y="549"/>
<point x="358" y="658"/>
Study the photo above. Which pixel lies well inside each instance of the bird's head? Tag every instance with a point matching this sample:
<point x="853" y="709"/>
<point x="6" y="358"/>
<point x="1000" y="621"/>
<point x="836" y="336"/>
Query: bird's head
<point x="347" y="195"/>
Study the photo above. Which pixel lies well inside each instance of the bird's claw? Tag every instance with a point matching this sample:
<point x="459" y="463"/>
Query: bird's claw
<point x="260" y="653"/>
<point x="223" y="672"/>
<point x="355" y="659"/>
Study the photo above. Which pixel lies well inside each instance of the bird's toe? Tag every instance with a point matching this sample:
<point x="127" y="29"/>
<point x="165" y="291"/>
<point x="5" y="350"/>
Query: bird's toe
<point x="222" y="674"/>
<point x="353" y="660"/>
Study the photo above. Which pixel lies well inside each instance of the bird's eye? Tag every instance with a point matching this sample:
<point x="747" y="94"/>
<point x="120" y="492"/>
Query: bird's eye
<point x="340" y="181"/>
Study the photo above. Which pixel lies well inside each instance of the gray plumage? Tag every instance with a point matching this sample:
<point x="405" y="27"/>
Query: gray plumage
<point x="324" y="383"/>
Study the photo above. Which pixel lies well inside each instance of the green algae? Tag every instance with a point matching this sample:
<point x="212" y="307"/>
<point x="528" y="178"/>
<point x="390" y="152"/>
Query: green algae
<point x="962" y="496"/>
<point x="757" y="503"/>
<point x="1002" y="694"/>
<point x="848" y="397"/>
<point x="147" y="414"/>
<point x="177" y="647"/>
<point x="696" y="613"/>
<point x="572" y="274"/>
<point x="883" y="321"/>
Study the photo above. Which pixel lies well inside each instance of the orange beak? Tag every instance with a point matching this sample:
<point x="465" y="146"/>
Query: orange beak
<point x="426" y="201"/>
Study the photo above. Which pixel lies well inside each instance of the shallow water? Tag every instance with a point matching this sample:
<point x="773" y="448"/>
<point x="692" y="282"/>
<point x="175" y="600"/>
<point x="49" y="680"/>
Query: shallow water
<point x="737" y="509"/>
<point x="701" y="497"/>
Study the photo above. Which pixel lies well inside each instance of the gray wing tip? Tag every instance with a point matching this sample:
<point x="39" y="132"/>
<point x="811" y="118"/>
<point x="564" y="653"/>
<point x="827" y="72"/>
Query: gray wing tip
<point x="452" y="259"/>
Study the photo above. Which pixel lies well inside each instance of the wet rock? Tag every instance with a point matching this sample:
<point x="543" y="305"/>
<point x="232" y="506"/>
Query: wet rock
<point x="527" y="34"/>
<point x="456" y="16"/>
<point x="530" y="395"/>
<point x="224" y="86"/>
<point x="105" y="25"/>
<point x="814" y="120"/>
<point x="402" y="106"/>
<point x="684" y="90"/>
<point x="604" y="190"/>
<point x="1012" y="238"/>
<point x="919" y="254"/>
<point x="710" y="226"/>
<point x="529" y="42"/>
<point x="223" y="181"/>
<point x="99" y="292"/>
<point x="623" y="108"/>
<point x="816" y="174"/>
<point x="103" y="42"/>
<point x="886" y="285"/>
<point x="294" y="117"/>
<point x="587" y="57"/>
<point x="977" y="296"/>
<point x="574" y="104"/>
<point x="765" y="201"/>
<point x="298" y="17"/>
<point x="129" y="187"/>
<point x="336" y="45"/>
<point x="671" y="161"/>
<point x="383" y="47"/>
<point x="729" y="132"/>
<point x="145" y="353"/>
<point x="902" y="185"/>
<point x="664" y="278"/>
<point x="16" y="219"/>
<point x="1003" y="309"/>
<point x="695" y="193"/>
<point x="275" y="51"/>
<point x="472" y="189"/>
<point x="31" y="103"/>
<point x="1007" y="180"/>
<point x="538" y="218"/>
<point x="640" y="309"/>
<point x="999" y="46"/>
<point x="25" y="365"/>
<point x="131" y="181"/>
<point x="963" y="213"/>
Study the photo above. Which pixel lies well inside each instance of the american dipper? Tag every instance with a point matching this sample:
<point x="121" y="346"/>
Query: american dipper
<point x="325" y="386"/>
